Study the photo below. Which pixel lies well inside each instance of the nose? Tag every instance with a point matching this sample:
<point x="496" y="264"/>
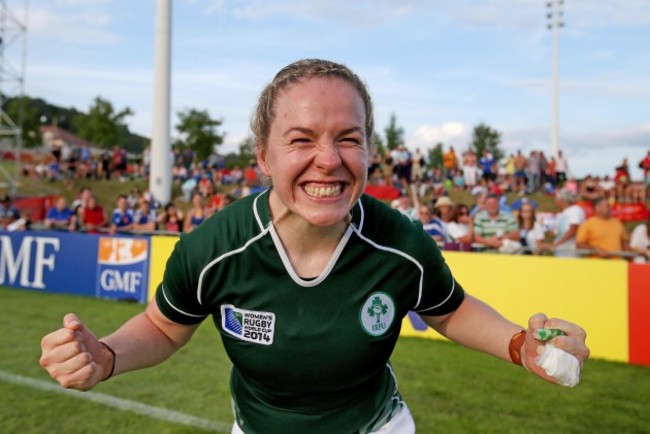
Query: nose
<point x="327" y="157"/>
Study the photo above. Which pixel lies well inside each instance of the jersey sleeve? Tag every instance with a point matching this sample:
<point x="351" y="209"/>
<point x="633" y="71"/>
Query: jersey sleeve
<point x="441" y="293"/>
<point x="177" y="295"/>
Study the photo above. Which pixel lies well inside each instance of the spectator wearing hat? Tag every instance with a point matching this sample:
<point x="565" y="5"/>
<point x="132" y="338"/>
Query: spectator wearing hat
<point x="568" y="220"/>
<point x="436" y="225"/>
<point x="496" y="229"/>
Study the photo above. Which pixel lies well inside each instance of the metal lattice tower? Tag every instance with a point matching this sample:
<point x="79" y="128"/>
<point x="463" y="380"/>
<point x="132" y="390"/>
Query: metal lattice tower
<point x="13" y="50"/>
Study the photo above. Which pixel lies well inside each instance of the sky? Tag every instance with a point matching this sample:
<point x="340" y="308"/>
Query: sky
<point x="441" y="67"/>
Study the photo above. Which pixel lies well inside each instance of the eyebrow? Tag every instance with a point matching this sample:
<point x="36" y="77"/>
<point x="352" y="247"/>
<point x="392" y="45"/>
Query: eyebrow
<point x="309" y="131"/>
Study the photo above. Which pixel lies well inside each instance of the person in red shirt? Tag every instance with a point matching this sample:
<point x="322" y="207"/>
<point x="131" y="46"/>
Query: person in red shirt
<point x="94" y="217"/>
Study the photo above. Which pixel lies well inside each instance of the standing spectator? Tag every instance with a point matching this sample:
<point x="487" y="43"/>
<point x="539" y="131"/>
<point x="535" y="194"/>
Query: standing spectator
<point x="602" y="233"/>
<point x="59" y="216"/>
<point x="195" y="215"/>
<point x="449" y="162"/>
<point x="520" y="163"/>
<point x="470" y="169"/>
<point x="122" y="218"/>
<point x="496" y="229"/>
<point x="9" y="214"/>
<point x="534" y="172"/>
<point x="622" y="181"/>
<point x="531" y="232"/>
<point x="93" y="216"/>
<point x="418" y="165"/>
<point x="561" y="169"/>
<point x="485" y="163"/>
<point x="645" y="166"/>
<point x="509" y="171"/>
<point x="106" y="166"/>
<point x="144" y="218"/>
<point x="568" y="220"/>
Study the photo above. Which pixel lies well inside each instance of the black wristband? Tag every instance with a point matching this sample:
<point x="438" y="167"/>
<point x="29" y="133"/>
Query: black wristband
<point x="110" y="374"/>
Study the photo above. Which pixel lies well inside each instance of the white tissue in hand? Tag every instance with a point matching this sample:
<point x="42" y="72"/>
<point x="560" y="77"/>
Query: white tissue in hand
<point x="559" y="364"/>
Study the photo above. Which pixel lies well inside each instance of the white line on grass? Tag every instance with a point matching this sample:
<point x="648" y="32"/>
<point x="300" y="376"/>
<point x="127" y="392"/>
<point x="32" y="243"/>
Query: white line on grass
<point x="119" y="403"/>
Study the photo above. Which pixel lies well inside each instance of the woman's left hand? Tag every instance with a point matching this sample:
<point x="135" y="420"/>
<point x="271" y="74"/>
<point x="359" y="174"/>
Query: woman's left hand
<point x="573" y="343"/>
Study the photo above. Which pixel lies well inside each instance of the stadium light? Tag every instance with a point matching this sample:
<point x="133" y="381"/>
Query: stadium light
<point x="555" y="17"/>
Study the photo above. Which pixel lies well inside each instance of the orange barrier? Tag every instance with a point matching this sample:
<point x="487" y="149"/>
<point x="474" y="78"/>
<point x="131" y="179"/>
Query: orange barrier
<point x="639" y="302"/>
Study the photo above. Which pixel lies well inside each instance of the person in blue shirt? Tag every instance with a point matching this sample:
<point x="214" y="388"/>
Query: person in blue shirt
<point x="59" y="216"/>
<point x="122" y="218"/>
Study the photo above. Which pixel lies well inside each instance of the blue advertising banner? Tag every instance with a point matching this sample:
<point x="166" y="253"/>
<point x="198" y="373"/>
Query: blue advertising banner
<point x="123" y="268"/>
<point x="81" y="264"/>
<point x="49" y="261"/>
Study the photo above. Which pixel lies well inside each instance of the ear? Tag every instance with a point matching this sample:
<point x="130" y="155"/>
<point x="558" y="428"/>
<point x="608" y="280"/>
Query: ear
<point x="260" y="151"/>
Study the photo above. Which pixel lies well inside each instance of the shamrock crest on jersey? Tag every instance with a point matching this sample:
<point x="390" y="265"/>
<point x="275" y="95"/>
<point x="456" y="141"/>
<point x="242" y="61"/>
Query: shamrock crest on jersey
<point x="377" y="313"/>
<point x="248" y="325"/>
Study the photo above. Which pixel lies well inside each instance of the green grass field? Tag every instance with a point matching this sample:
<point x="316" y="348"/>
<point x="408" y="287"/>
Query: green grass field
<point x="449" y="389"/>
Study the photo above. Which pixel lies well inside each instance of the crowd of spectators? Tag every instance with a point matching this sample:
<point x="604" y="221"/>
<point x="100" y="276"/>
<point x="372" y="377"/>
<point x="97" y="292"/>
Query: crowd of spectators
<point x="487" y="224"/>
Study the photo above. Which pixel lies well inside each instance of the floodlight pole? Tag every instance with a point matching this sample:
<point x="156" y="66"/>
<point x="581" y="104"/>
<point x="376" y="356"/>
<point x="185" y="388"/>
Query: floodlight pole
<point x="160" y="173"/>
<point x="555" y="16"/>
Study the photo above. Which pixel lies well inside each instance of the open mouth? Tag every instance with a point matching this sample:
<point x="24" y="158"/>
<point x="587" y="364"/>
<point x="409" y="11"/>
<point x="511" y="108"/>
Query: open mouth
<point x="330" y="190"/>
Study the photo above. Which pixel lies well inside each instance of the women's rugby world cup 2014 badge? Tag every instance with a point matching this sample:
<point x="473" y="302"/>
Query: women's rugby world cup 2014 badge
<point x="377" y="313"/>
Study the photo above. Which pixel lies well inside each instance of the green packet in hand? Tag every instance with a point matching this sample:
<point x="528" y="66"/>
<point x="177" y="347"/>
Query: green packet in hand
<point x="547" y="334"/>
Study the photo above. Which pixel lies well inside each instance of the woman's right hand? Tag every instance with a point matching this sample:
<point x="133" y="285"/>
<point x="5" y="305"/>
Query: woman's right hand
<point x="74" y="357"/>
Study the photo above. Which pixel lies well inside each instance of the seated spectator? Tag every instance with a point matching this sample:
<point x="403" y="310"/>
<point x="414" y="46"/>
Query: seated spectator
<point x="460" y="228"/>
<point x="640" y="241"/>
<point x="403" y="205"/>
<point x="496" y="229"/>
<point x="531" y="231"/>
<point x="93" y="216"/>
<point x="82" y="198"/>
<point x="567" y="222"/>
<point x="59" y="216"/>
<point x="445" y="213"/>
<point x="431" y="224"/>
<point x="144" y="218"/>
<point x="171" y="219"/>
<point x="133" y="199"/>
<point x="122" y="217"/>
<point x="9" y="214"/>
<point x="197" y="214"/>
<point x="602" y="233"/>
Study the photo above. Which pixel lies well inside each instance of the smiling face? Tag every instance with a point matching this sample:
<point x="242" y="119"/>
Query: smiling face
<point x="316" y="153"/>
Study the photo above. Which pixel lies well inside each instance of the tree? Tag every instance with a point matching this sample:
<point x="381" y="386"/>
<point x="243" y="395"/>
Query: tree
<point x="244" y="157"/>
<point x="102" y="125"/>
<point x="485" y="137"/>
<point x="394" y="134"/>
<point x="378" y="144"/>
<point x="199" y="132"/>
<point x="30" y="120"/>
<point x="435" y="156"/>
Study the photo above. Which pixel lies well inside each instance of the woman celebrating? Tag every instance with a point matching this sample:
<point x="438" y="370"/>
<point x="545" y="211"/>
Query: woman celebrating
<point x="307" y="282"/>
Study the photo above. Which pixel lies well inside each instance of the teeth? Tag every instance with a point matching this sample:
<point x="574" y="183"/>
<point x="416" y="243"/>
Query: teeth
<point x="323" y="191"/>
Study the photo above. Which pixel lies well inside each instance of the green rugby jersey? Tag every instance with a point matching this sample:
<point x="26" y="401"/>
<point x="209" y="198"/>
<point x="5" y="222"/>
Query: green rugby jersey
<point x="308" y="355"/>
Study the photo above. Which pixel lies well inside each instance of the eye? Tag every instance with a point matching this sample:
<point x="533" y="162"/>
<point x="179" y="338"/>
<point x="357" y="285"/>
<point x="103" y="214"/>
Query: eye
<point x="350" y="141"/>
